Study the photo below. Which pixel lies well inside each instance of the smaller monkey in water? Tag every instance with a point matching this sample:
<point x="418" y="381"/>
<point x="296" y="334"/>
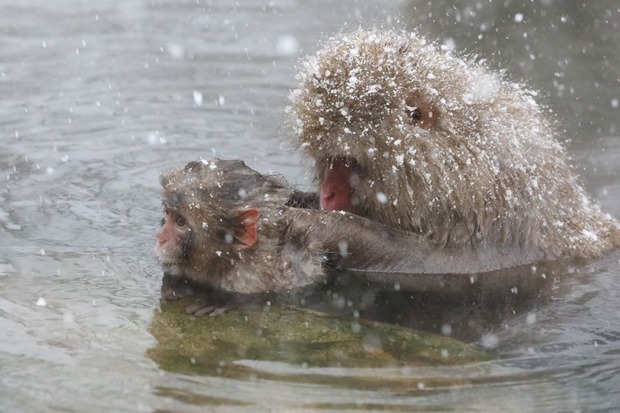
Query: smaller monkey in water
<point x="213" y="214"/>
<point x="229" y="228"/>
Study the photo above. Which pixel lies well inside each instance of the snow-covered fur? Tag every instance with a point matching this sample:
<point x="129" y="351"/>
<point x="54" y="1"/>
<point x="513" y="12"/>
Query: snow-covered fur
<point x="490" y="170"/>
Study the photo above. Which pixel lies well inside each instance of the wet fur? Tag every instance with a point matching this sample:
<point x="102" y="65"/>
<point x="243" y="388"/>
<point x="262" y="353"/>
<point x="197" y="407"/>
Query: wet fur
<point x="490" y="171"/>
<point x="209" y="194"/>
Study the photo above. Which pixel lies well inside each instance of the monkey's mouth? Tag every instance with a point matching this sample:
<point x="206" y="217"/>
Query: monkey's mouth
<point x="340" y="179"/>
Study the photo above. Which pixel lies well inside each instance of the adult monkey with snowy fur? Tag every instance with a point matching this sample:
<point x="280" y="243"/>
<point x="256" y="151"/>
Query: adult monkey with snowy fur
<point x="409" y="135"/>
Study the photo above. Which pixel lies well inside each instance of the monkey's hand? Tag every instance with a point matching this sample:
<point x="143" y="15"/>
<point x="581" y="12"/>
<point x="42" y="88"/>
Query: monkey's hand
<point x="174" y="288"/>
<point x="216" y="302"/>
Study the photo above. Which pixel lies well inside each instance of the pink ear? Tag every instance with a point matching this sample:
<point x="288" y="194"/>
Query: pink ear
<point x="245" y="228"/>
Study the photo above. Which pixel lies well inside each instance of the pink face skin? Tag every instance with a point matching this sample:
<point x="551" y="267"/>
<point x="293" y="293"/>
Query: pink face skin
<point x="172" y="237"/>
<point x="338" y="185"/>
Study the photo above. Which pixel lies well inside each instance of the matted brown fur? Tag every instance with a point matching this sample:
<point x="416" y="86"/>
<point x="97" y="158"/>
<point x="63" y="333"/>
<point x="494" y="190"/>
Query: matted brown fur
<point x="210" y="195"/>
<point x="489" y="170"/>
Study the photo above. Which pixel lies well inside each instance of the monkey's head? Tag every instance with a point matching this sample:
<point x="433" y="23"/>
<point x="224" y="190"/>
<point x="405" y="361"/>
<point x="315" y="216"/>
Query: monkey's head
<point x="406" y="134"/>
<point x="210" y="217"/>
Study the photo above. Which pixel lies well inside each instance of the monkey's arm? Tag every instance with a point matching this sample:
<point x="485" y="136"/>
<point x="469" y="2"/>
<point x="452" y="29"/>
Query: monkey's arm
<point x="356" y="243"/>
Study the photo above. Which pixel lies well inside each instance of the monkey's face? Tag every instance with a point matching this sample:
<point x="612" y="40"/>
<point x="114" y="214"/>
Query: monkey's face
<point x="400" y="131"/>
<point x="362" y="183"/>
<point x="361" y="111"/>
<point x="173" y="239"/>
<point x="207" y="226"/>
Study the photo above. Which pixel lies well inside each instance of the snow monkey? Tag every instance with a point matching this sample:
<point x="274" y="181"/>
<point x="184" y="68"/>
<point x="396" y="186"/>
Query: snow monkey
<point x="227" y="227"/>
<point x="407" y="134"/>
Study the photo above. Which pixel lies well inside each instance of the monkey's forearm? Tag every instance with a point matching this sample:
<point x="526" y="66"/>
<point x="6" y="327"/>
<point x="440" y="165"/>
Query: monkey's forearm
<point x="356" y="243"/>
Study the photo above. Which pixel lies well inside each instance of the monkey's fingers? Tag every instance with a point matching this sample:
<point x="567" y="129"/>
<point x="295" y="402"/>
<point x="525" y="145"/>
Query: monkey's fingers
<point x="217" y="311"/>
<point x="201" y="308"/>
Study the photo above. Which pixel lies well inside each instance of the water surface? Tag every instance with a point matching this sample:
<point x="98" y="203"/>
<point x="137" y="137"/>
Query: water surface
<point x="98" y="97"/>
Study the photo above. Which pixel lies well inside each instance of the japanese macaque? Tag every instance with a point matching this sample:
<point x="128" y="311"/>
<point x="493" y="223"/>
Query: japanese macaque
<point x="213" y="214"/>
<point x="227" y="227"/>
<point x="409" y="135"/>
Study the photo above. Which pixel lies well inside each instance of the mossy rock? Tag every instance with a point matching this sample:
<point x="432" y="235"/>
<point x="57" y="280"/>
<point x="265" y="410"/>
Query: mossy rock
<point x="206" y="345"/>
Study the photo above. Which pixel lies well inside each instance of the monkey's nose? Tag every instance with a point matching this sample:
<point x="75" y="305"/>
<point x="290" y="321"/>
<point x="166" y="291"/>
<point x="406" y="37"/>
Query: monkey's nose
<point x="328" y="197"/>
<point x="336" y="197"/>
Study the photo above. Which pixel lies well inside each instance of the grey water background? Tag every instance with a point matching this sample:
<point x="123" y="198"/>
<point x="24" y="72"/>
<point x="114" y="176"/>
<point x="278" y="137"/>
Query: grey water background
<point x="96" y="98"/>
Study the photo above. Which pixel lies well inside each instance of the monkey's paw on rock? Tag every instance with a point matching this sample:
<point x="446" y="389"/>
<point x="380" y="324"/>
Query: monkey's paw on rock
<point x="202" y="307"/>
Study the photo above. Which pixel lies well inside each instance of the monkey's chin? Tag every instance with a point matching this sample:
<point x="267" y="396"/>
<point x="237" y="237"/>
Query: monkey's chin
<point x="167" y="259"/>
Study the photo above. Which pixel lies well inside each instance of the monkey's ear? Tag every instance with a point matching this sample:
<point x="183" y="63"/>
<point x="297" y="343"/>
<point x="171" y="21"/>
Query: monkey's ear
<point x="245" y="228"/>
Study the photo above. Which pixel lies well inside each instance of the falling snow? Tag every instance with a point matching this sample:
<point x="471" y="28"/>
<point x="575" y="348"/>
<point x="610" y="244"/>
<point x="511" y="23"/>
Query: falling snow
<point x="489" y="341"/>
<point x="197" y="98"/>
<point x="287" y="45"/>
<point x="175" y="51"/>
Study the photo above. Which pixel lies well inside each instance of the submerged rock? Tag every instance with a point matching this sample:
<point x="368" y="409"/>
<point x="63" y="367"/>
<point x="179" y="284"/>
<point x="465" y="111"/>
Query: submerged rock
<point x="221" y="344"/>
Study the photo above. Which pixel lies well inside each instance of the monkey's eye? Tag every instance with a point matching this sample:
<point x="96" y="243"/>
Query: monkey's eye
<point x="420" y="112"/>
<point x="180" y="221"/>
<point x="414" y="113"/>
